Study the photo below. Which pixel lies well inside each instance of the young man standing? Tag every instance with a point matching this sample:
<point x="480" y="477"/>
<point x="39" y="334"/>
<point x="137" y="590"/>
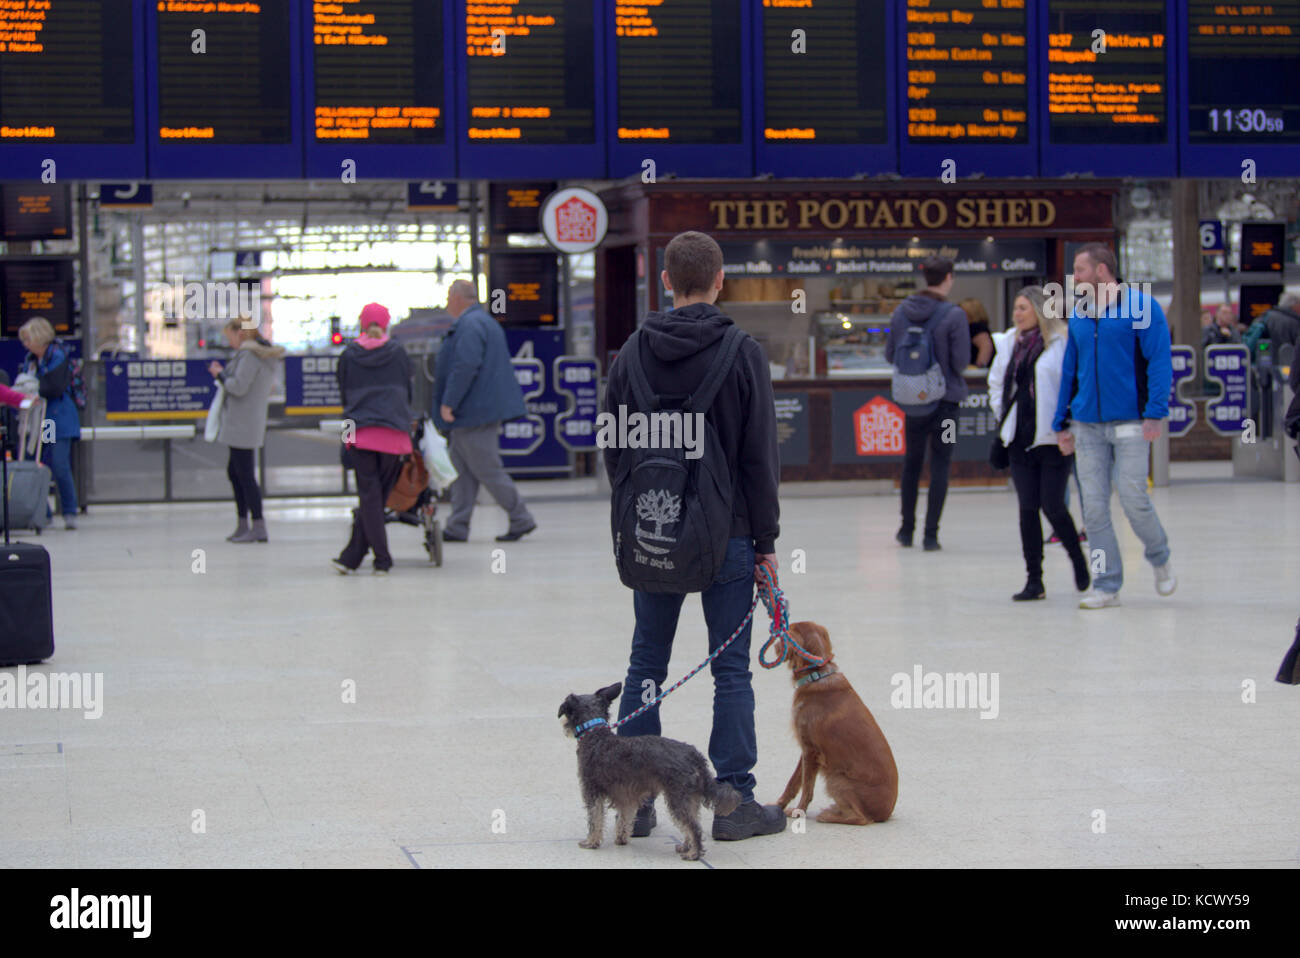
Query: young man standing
<point x="676" y="349"/>
<point x="949" y="331"/>
<point x="1115" y="390"/>
<point x="475" y="390"/>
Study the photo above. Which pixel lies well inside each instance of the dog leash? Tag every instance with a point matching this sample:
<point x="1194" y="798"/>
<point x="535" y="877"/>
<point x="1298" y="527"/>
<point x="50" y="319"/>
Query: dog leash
<point x="778" y="609"/>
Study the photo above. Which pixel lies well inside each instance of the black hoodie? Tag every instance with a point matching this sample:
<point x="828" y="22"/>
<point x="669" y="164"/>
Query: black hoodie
<point x="678" y="347"/>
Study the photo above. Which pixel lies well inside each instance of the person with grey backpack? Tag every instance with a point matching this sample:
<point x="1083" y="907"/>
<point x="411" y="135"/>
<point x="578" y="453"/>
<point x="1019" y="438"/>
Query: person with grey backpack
<point x="929" y="347"/>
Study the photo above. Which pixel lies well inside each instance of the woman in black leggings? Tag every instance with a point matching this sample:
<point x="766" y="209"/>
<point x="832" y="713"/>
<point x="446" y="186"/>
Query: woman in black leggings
<point x="247" y="380"/>
<point x="1024" y="382"/>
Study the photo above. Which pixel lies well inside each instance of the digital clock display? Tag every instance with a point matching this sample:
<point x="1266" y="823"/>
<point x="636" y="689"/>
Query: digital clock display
<point x="1243" y="62"/>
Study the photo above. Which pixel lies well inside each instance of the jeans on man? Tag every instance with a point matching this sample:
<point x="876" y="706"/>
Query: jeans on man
<point x="733" y="747"/>
<point x="1116" y="451"/>
<point x="919" y="432"/>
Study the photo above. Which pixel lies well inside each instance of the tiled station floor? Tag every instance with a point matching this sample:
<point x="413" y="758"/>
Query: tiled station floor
<point x="1148" y="735"/>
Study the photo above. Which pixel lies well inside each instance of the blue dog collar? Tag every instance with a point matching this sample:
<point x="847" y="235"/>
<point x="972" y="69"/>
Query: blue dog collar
<point x="814" y="676"/>
<point x="585" y="726"/>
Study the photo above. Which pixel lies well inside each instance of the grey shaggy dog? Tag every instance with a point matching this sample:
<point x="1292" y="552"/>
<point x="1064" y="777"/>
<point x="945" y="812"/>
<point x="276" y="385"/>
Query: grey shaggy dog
<point x="627" y="770"/>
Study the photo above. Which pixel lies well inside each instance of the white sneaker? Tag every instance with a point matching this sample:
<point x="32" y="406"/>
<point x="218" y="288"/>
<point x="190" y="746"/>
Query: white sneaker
<point x="1098" y="599"/>
<point x="1166" y="581"/>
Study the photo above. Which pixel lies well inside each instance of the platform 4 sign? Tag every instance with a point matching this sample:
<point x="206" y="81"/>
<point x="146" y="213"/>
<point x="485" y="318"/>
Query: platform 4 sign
<point x="1182" y="414"/>
<point x="1228" y="365"/>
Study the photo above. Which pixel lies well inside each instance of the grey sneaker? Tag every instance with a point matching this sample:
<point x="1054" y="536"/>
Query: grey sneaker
<point x="1098" y="599"/>
<point x="748" y="820"/>
<point x="1166" y="581"/>
<point x="70" y="522"/>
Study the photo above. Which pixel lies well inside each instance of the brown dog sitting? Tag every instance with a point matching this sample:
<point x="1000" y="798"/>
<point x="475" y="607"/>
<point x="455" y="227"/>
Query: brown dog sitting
<point x="839" y="738"/>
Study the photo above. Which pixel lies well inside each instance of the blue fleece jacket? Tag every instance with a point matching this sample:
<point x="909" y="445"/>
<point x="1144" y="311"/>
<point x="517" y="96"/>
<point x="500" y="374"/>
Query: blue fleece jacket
<point x="1117" y="367"/>
<point x="474" y="375"/>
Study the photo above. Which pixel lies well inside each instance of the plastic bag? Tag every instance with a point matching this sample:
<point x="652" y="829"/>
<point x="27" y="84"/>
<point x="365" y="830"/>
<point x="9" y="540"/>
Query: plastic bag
<point x="437" y="458"/>
<point x="213" y="426"/>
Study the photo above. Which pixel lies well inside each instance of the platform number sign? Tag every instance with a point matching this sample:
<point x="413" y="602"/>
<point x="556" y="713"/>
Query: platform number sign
<point x="1211" y="232"/>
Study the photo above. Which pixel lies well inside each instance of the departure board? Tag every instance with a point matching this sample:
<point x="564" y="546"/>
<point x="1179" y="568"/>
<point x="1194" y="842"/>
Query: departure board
<point x="238" y="90"/>
<point x="679" y="72"/>
<point x="530" y="282"/>
<point x="1243" y="65"/>
<point x="825" y="72"/>
<point x="517" y="207"/>
<point x="67" y="71"/>
<point x="967" y="71"/>
<point x="36" y="287"/>
<point x="35" y="211"/>
<point x="1106" y="73"/>
<point x="529" y="71"/>
<point x="1263" y="246"/>
<point x="378" y="67"/>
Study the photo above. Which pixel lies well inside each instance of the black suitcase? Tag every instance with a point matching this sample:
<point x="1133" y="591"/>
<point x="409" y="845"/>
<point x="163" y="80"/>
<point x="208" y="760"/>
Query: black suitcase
<point x="26" y="602"/>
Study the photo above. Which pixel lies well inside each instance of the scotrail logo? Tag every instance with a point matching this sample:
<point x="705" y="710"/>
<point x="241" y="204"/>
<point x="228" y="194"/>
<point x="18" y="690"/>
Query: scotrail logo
<point x="53" y="690"/>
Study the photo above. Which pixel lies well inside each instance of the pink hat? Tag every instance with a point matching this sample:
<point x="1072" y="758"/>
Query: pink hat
<point x="372" y="314"/>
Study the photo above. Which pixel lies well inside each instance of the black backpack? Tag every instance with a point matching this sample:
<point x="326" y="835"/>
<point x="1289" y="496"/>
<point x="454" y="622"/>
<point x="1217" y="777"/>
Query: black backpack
<point x="671" y="515"/>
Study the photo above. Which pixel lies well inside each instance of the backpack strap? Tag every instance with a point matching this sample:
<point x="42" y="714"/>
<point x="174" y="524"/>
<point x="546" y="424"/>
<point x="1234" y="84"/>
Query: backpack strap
<point x="700" y="400"/>
<point x="645" y="398"/>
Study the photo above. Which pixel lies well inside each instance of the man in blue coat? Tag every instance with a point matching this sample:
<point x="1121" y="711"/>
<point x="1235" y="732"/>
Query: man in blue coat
<point x="1114" y="395"/>
<point x="475" y="391"/>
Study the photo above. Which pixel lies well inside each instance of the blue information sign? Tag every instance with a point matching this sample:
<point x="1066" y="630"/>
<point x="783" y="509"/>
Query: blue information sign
<point x="531" y="442"/>
<point x="576" y="379"/>
<point x="1182" y="414"/>
<point x="1229" y="366"/>
<point x="311" y="386"/>
<point x="1211" y="233"/>
<point x="159" y="389"/>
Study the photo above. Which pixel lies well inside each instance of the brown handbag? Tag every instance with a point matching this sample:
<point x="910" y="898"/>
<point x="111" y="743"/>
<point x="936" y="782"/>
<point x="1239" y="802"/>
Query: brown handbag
<point x="411" y="482"/>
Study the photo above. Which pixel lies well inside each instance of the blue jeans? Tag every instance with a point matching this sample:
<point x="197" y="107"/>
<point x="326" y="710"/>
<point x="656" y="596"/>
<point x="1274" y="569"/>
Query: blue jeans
<point x="58" y="456"/>
<point x="733" y="747"/>
<point x="1099" y="451"/>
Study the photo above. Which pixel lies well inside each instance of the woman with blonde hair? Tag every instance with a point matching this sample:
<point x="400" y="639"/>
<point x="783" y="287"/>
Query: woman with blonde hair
<point x="49" y="362"/>
<point x="1024" y="383"/>
<point x="246" y="380"/>
<point x="981" y="339"/>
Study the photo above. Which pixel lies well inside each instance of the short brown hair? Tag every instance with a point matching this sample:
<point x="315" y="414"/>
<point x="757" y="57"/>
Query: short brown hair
<point x="1101" y="255"/>
<point x="693" y="261"/>
<point x="935" y="269"/>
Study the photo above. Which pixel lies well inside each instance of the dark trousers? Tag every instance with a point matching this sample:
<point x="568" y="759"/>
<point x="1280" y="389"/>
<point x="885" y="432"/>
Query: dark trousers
<point x="921" y="431"/>
<point x="1040" y="475"/>
<point x="377" y="474"/>
<point x="733" y="747"/>
<point x="243" y="479"/>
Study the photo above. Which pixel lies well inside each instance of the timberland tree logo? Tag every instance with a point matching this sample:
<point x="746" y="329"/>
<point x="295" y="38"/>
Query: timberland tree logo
<point x="878" y="428"/>
<point x="662" y="508"/>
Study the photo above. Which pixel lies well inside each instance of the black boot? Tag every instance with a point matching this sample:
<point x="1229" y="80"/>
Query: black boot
<point x="1033" y="590"/>
<point x="1070" y="540"/>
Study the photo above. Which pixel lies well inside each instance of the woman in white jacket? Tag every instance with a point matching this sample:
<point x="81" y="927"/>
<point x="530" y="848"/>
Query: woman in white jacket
<point x="1025" y="379"/>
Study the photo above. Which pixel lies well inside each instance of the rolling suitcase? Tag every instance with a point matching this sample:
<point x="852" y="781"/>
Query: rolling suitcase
<point x="28" y="485"/>
<point x="26" y="603"/>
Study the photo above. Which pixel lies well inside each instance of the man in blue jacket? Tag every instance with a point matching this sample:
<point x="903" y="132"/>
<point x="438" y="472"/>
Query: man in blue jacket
<point x="1114" y="394"/>
<point x="474" y="392"/>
